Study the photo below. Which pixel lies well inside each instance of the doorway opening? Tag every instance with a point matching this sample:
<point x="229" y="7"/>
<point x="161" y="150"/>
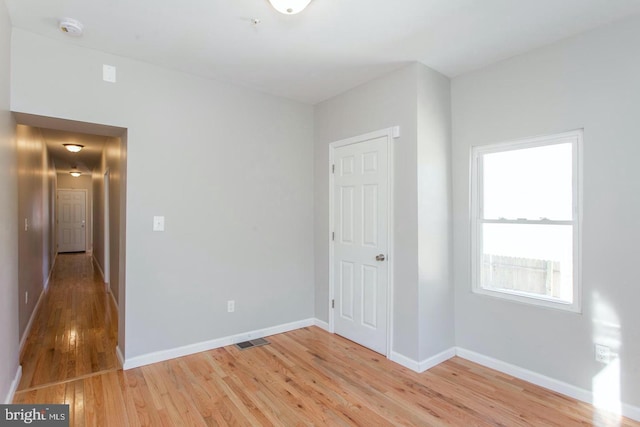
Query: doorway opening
<point x="78" y="227"/>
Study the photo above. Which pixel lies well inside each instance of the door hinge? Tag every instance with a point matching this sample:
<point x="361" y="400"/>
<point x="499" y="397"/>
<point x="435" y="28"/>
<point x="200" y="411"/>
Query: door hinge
<point x="333" y="168"/>
<point x="333" y="235"/>
<point x="333" y="303"/>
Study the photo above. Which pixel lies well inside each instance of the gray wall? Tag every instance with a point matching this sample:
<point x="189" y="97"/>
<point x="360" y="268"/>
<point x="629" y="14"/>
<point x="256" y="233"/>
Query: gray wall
<point x="111" y="160"/>
<point x="36" y="187"/>
<point x="8" y="220"/>
<point x="385" y="102"/>
<point x="590" y="82"/>
<point x="434" y="213"/>
<point x="229" y="168"/>
<point x="97" y="185"/>
<point x="83" y="182"/>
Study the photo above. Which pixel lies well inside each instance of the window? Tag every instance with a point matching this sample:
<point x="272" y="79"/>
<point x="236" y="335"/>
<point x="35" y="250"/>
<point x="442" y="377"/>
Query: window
<point x="525" y="208"/>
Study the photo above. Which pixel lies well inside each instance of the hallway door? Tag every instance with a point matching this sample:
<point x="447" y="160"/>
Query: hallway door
<point x="72" y="211"/>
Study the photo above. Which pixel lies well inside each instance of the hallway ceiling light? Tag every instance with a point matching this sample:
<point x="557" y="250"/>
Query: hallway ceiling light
<point x="75" y="172"/>
<point x="289" y="7"/>
<point x="74" y="148"/>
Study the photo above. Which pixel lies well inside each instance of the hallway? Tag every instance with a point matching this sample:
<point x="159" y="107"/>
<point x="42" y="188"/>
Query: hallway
<point x="74" y="332"/>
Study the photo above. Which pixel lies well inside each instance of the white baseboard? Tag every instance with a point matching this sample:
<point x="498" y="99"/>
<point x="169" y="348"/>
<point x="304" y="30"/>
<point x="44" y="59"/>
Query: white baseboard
<point x="425" y="364"/>
<point x="45" y="286"/>
<point x="561" y="387"/>
<point x="14" y="386"/>
<point x="27" y="330"/>
<point x="53" y="264"/>
<point x="631" y="411"/>
<point x="119" y="356"/>
<point x="405" y="361"/>
<point x="95" y="261"/>
<point x="160" y="356"/>
<point x="437" y="359"/>
<point x="113" y="299"/>
<point x="321" y="324"/>
<point x="107" y="286"/>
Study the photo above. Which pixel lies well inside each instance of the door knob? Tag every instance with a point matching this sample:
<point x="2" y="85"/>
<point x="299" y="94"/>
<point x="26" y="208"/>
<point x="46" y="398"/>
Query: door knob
<point x="380" y="257"/>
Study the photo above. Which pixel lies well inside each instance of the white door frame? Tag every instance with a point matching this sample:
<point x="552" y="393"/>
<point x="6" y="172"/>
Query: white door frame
<point x="107" y="232"/>
<point x="390" y="134"/>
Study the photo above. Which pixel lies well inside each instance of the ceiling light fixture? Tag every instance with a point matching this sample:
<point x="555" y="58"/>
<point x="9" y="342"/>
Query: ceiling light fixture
<point x="75" y="172"/>
<point x="289" y="7"/>
<point x="74" y="148"/>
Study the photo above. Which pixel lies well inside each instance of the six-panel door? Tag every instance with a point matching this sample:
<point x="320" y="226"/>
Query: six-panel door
<point x="360" y="219"/>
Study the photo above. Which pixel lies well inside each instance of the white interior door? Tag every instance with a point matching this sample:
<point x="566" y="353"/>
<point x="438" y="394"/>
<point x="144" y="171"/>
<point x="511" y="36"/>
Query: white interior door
<point x="72" y="209"/>
<point x="360" y="244"/>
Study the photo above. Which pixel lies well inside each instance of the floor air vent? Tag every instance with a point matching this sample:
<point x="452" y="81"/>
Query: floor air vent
<point x="252" y="343"/>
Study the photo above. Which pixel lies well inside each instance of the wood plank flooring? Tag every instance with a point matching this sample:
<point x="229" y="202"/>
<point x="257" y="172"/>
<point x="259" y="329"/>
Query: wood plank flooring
<point x="304" y="377"/>
<point x="74" y="332"/>
<point x="310" y="377"/>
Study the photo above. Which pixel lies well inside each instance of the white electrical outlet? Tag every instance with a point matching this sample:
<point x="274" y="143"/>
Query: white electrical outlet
<point x="26" y="297"/>
<point x="231" y="306"/>
<point x="603" y="354"/>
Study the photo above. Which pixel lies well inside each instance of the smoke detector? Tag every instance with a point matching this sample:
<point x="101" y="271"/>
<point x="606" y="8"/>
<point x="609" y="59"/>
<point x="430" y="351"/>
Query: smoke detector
<point x="71" y="26"/>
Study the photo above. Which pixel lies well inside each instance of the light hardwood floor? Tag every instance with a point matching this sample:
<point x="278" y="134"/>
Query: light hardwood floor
<point x="74" y="332"/>
<point x="304" y="377"/>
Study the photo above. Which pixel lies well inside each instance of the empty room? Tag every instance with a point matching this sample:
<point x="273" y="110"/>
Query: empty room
<point x="319" y="212"/>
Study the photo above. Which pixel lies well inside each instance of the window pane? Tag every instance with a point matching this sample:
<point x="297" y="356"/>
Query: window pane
<point x="531" y="183"/>
<point x="531" y="259"/>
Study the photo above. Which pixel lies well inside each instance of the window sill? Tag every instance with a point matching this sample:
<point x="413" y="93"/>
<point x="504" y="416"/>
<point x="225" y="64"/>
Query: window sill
<point x="530" y="299"/>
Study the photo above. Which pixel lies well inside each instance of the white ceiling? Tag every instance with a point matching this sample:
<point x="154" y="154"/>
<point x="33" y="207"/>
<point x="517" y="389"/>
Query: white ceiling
<point x="330" y="47"/>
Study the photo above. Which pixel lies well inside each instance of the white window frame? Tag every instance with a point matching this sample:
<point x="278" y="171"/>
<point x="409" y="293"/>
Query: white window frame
<point x="573" y="137"/>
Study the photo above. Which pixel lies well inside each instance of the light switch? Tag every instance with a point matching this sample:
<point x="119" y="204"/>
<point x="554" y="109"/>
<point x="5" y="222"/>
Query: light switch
<point x="158" y="223"/>
<point x="109" y="73"/>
